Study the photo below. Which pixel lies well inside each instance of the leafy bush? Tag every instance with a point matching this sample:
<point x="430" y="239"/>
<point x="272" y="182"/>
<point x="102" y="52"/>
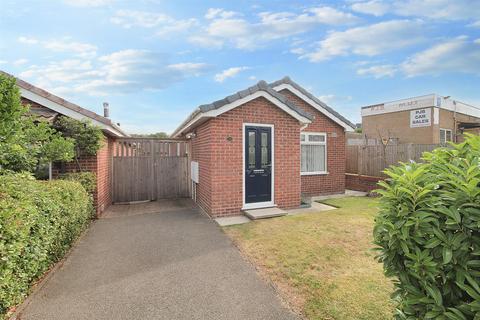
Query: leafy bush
<point x="39" y="220"/>
<point x="26" y="143"/>
<point x="87" y="179"/>
<point x="88" y="138"/>
<point x="428" y="233"/>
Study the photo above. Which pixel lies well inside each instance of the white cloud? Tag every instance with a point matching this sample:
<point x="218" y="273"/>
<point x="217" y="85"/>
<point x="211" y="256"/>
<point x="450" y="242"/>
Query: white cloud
<point x="370" y="40"/>
<point x="119" y="72"/>
<point x="20" y="62"/>
<point x="378" y="71"/>
<point x="327" y="98"/>
<point x="27" y="40"/>
<point x="374" y="7"/>
<point x="164" y="25"/>
<point x="439" y="9"/>
<point x="227" y="27"/>
<point x="459" y="55"/>
<point x="88" y="3"/>
<point x="206" y="41"/>
<point x="65" y="44"/>
<point x="3" y="61"/>
<point x="475" y="24"/>
<point x="229" y="73"/>
<point x="432" y="9"/>
<point x="213" y="13"/>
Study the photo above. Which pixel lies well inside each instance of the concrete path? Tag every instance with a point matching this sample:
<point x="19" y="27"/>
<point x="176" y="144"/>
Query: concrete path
<point x="155" y="261"/>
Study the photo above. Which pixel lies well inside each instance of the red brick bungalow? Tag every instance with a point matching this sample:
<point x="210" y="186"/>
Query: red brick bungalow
<point x="49" y="106"/>
<point x="264" y="147"/>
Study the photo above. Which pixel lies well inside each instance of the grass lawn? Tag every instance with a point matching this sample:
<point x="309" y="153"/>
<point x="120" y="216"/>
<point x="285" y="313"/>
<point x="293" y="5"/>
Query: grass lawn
<point x="322" y="262"/>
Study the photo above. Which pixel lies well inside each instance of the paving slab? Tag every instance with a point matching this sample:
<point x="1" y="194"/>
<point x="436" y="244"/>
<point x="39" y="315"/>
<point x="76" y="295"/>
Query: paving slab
<point x="314" y="208"/>
<point x="144" y="262"/>
<point x="230" y="221"/>
<point x="348" y="193"/>
<point x="264" y="213"/>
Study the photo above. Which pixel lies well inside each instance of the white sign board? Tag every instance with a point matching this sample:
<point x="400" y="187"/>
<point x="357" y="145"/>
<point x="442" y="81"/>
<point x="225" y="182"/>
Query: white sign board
<point x="194" y="171"/>
<point x="421" y="118"/>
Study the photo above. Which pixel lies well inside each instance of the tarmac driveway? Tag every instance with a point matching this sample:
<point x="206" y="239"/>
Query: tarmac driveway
<point x="161" y="260"/>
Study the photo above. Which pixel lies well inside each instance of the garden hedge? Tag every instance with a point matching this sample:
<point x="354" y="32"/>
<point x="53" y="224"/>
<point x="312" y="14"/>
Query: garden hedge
<point x="39" y="221"/>
<point x="428" y="233"/>
<point x="88" y="180"/>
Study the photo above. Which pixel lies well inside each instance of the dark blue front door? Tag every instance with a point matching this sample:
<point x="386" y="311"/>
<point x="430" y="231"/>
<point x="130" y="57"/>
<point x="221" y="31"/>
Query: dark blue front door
<point x="258" y="164"/>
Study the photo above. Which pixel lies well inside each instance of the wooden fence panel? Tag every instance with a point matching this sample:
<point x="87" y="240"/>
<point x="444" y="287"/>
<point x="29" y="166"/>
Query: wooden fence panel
<point x="172" y="178"/>
<point x="150" y="169"/>
<point x="131" y="179"/>
<point x="372" y="160"/>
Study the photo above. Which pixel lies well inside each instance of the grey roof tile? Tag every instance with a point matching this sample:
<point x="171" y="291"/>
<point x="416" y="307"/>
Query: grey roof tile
<point x="287" y="80"/>
<point x="67" y="104"/>
<point x="262" y="85"/>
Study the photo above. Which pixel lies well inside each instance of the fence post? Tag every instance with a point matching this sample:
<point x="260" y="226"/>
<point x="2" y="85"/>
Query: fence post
<point x="153" y="180"/>
<point x="360" y="160"/>
<point x="410" y="152"/>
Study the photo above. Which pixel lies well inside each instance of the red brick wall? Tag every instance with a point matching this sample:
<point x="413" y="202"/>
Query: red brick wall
<point x="202" y="153"/>
<point x="104" y="176"/>
<point x="361" y="183"/>
<point x="218" y="146"/>
<point x="334" y="181"/>
<point x="101" y="166"/>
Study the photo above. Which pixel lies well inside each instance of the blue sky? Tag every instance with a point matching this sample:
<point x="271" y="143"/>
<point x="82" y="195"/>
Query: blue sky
<point x="155" y="61"/>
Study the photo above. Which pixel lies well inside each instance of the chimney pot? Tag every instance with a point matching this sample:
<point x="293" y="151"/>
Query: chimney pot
<point x="106" y="111"/>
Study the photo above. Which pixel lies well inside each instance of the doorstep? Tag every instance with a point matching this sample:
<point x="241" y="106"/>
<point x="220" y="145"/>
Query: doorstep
<point x="232" y="220"/>
<point x="264" y="213"/>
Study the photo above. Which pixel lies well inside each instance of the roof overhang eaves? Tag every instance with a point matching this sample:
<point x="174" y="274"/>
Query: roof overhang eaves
<point x="288" y="84"/>
<point x="61" y="109"/>
<point x="205" y="112"/>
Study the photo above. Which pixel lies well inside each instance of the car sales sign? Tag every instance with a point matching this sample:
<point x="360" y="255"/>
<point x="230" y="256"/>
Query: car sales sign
<point x="421" y="118"/>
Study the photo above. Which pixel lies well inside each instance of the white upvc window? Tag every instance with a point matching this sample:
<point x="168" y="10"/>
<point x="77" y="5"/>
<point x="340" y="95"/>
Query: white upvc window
<point x="313" y="147"/>
<point x="445" y="135"/>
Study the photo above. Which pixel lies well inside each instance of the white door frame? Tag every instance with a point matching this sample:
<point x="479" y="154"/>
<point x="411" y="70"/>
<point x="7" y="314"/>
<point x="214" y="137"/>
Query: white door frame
<point x="265" y="204"/>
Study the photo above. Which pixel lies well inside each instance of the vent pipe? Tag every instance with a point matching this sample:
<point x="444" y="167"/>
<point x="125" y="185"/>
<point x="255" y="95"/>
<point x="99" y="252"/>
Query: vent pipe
<point x="106" y="111"/>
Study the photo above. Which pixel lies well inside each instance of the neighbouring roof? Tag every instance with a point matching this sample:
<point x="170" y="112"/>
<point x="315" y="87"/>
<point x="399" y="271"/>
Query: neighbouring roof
<point x="315" y="102"/>
<point x="206" y="111"/>
<point x="64" y="107"/>
<point x="426" y="101"/>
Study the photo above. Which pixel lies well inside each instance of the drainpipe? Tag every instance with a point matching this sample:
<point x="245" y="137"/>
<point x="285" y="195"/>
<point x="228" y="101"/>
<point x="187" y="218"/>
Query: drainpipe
<point x="455" y="121"/>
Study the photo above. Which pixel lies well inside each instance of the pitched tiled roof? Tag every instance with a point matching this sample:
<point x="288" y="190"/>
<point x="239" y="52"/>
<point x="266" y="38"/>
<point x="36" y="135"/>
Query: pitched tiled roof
<point x="287" y="80"/>
<point x="64" y="103"/>
<point x="260" y="86"/>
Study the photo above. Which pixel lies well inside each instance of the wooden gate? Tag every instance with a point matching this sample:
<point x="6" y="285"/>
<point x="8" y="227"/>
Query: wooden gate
<point x="150" y="169"/>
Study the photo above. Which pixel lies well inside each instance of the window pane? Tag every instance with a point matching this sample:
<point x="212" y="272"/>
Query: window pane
<point x="448" y="135"/>
<point x="313" y="158"/>
<point x="442" y="136"/>
<point x="316" y="138"/>
<point x="264" y="149"/>
<point x="251" y="149"/>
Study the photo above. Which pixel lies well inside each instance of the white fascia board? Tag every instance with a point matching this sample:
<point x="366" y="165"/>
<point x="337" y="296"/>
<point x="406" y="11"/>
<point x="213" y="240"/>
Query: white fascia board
<point x="460" y="107"/>
<point x="427" y="101"/>
<point x="216" y="112"/>
<point x="66" y="111"/>
<point x="420" y="102"/>
<point x="289" y="87"/>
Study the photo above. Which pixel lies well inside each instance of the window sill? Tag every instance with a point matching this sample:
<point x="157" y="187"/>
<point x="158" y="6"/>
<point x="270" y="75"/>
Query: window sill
<point x="319" y="173"/>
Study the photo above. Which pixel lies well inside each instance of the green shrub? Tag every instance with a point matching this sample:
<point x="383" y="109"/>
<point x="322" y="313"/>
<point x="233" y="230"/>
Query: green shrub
<point x="428" y="233"/>
<point x="39" y="220"/>
<point x="87" y="179"/>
